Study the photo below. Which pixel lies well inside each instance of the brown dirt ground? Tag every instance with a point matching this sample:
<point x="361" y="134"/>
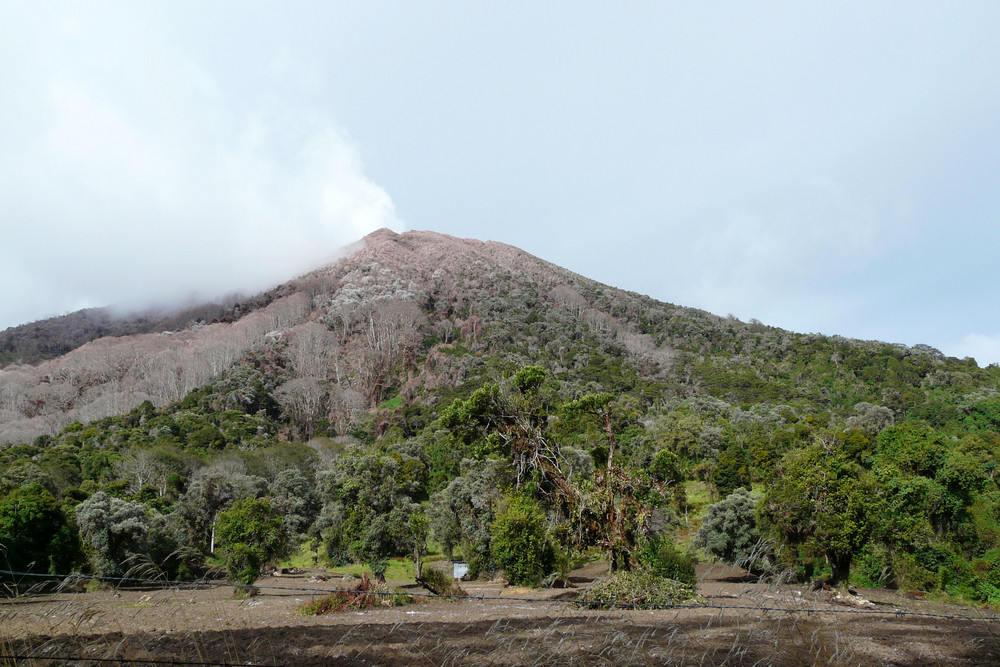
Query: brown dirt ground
<point x="523" y="627"/>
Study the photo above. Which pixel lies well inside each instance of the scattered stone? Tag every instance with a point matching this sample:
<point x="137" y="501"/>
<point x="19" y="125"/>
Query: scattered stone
<point x="854" y="600"/>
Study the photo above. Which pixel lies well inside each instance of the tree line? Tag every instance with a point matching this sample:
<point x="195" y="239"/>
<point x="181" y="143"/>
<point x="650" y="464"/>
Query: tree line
<point x="513" y="476"/>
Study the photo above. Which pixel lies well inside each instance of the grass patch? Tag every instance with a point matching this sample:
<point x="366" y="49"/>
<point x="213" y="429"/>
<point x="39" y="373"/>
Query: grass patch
<point x="399" y="570"/>
<point x="392" y="403"/>
<point x="305" y="557"/>
<point x="699" y="497"/>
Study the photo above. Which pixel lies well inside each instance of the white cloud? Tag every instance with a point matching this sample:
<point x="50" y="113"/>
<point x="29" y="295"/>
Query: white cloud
<point x="131" y="176"/>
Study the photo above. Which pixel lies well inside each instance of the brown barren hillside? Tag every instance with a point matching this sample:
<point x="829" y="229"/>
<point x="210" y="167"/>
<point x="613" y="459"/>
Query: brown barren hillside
<point x="393" y="301"/>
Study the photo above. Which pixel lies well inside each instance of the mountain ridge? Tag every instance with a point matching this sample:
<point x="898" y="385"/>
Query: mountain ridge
<point x="387" y="315"/>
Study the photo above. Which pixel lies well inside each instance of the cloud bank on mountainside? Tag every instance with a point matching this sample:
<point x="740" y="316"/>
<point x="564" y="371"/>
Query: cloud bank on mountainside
<point x="132" y="175"/>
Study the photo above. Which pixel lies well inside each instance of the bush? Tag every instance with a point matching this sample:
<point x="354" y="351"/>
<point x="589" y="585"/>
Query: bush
<point x="35" y="533"/>
<point x="664" y="467"/>
<point x="520" y="545"/>
<point x="732" y="471"/>
<point x="729" y="533"/>
<point x="114" y="530"/>
<point x="666" y="560"/>
<point x="439" y="583"/>
<point x="911" y="575"/>
<point x="986" y="572"/>
<point x="873" y="567"/>
<point x="334" y="545"/>
<point x="988" y="593"/>
<point x="250" y="534"/>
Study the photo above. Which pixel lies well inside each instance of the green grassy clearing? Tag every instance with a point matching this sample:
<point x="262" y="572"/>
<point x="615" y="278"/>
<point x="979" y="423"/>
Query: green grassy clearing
<point x="399" y="570"/>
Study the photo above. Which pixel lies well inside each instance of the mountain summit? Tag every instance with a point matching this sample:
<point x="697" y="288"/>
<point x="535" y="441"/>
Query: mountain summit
<point x="382" y="302"/>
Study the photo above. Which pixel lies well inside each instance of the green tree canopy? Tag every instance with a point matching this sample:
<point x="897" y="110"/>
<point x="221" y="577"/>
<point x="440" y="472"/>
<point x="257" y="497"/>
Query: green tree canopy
<point x="820" y="504"/>
<point x="34" y="533"/>
<point x="250" y="535"/>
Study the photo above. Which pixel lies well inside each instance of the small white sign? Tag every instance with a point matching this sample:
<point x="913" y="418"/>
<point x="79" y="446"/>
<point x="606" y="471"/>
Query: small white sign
<point x="460" y="569"/>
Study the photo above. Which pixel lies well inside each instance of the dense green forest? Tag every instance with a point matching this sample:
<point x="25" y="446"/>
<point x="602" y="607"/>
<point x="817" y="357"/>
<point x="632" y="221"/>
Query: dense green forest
<point x="522" y="434"/>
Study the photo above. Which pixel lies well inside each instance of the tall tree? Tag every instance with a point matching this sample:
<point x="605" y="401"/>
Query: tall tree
<point x="820" y="504"/>
<point x="114" y="530"/>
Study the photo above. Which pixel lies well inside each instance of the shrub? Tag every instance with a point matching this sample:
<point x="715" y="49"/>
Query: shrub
<point x="34" y="532"/>
<point x="520" y="545"/>
<point x="250" y="534"/>
<point x="335" y="546"/>
<point x="666" y="560"/>
<point x="873" y="567"/>
<point x="986" y="571"/>
<point x="664" y="467"/>
<point x="911" y="574"/>
<point x="439" y="583"/>
<point x="114" y="530"/>
<point x="988" y="593"/>
<point x="732" y="471"/>
<point x="729" y="533"/>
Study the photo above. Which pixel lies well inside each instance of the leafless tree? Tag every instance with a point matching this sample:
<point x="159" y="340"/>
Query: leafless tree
<point x="302" y="401"/>
<point x="347" y="406"/>
<point x="390" y="330"/>
<point x="313" y="350"/>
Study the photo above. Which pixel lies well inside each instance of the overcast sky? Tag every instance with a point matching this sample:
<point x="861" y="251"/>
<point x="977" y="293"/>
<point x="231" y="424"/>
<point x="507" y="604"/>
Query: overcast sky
<point x="823" y="167"/>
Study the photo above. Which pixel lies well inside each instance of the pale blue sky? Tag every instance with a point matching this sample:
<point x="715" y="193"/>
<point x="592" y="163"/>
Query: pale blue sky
<point x="827" y="168"/>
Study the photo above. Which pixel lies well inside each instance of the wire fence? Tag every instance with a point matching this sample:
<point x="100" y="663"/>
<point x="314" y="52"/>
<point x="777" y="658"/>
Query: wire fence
<point x="67" y="580"/>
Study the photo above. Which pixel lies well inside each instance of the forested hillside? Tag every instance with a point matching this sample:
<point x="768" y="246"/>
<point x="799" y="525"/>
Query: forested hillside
<point x="427" y="390"/>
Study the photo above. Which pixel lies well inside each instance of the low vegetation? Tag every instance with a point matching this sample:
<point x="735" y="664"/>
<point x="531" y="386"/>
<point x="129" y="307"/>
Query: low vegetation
<point x="440" y="583"/>
<point x="641" y="586"/>
<point x="363" y="595"/>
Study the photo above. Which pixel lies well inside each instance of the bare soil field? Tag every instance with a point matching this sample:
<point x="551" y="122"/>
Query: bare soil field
<point x="742" y="623"/>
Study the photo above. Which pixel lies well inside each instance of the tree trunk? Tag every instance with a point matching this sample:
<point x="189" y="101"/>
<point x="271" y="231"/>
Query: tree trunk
<point x="841" y="567"/>
<point x="611" y="438"/>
